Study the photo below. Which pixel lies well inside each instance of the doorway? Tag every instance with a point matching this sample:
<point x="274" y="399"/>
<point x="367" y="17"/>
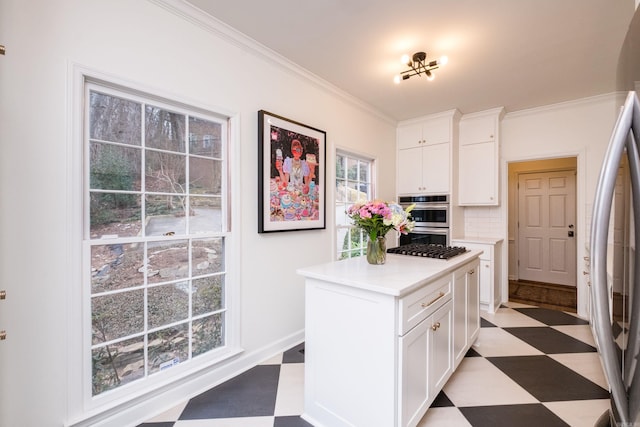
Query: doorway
<point x="542" y="247"/>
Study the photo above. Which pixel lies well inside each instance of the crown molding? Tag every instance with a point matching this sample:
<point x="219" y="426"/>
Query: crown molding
<point x="606" y="97"/>
<point x="200" y="18"/>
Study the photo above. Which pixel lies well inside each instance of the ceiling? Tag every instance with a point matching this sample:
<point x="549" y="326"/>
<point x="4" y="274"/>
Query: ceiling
<point x="518" y="54"/>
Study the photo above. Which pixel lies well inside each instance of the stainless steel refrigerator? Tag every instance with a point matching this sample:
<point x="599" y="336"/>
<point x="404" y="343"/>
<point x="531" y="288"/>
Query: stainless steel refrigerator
<point x="615" y="313"/>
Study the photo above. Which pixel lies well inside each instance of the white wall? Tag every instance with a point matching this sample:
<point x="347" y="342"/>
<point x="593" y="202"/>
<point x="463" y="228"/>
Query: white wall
<point x="150" y="46"/>
<point x="580" y="128"/>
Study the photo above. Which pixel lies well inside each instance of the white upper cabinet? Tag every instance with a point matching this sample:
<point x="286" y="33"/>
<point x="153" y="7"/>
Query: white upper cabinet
<point x="432" y="130"/>
<point x="425" y="154"/>
<point x="479" y="158"/>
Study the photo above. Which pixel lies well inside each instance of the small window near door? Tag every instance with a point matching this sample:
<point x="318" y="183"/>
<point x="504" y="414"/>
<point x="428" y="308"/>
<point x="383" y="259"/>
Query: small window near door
<point x="353" y="184"/>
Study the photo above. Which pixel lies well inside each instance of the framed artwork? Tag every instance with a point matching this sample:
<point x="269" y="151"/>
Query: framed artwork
<point x="291" y="175"/>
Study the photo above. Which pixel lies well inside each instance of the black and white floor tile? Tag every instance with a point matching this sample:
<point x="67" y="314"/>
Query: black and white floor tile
<point x="529" y="367"/>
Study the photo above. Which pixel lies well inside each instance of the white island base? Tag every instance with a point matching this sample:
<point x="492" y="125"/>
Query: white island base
<point x="382" y="340"/>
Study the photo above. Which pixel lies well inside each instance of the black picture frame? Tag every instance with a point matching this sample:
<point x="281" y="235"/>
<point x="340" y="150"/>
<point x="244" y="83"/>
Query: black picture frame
<point x="291" y="175"/>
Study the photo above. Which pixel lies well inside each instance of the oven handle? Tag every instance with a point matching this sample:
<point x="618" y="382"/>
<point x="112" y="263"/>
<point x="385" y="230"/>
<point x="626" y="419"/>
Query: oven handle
<point x="429" y="206"/>
<point x="424" y="230"/>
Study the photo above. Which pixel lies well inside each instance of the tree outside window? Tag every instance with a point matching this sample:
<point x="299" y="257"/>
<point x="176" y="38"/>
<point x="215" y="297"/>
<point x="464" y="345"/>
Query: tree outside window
<point x="156" y="233"/>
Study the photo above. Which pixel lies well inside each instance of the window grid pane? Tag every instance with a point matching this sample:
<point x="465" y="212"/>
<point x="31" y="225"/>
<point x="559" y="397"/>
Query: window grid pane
<point x="157" y="237"/>
<point x="353" y="184"/>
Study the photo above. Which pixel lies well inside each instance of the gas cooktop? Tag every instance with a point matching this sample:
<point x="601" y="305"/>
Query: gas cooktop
<point x="428" y="250"/>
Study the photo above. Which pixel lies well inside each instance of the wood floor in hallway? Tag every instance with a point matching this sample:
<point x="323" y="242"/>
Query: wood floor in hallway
<point x="546" y="295"/>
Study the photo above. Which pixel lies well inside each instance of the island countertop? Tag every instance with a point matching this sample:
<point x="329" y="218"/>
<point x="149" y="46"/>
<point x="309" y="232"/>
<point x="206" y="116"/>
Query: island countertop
<point x="400" y="275"/>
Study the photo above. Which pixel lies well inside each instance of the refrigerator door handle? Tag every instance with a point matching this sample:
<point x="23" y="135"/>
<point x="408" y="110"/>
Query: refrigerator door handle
<point x="619" y="380"/>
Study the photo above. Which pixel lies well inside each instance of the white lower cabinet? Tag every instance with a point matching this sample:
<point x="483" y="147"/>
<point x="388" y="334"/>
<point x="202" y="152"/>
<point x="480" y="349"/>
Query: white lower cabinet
<point x="489" y="270"/>
<point x="425" y="364"/>
<point x="466" y="315"/>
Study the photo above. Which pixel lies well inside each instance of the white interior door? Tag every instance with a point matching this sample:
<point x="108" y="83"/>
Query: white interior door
<point x="546" y="227"/>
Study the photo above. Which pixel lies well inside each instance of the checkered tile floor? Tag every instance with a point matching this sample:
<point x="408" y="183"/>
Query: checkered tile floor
<point x="529" y="367"/>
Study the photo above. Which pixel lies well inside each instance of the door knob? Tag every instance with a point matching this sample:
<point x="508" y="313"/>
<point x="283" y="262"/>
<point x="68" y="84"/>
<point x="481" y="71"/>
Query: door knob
<point x="570" y="233"/>
<point x="570" y="225"/>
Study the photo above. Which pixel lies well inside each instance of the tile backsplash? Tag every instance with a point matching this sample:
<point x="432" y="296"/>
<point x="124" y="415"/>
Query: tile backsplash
<point x="483" y="221"/>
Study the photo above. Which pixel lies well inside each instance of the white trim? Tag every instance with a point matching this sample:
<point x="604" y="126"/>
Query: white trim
<point x="372" y="160"/>
<point x="581" y="177"/>
<point x="448" y="113"/>
<point x="565" y="105"/>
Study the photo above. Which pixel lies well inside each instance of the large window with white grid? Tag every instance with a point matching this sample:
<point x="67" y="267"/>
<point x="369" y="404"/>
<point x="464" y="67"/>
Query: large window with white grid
<point x="155" y="233"/>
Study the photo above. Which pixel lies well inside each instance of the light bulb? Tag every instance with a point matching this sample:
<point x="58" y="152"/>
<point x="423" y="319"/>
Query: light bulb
<point x="396" y="78"/>
<point x="443" y="60"/>
<point x="405" y="59"/>
<point x="429" y="75"/>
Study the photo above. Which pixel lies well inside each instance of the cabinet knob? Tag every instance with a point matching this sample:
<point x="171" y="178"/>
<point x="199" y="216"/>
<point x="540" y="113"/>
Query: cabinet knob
<point x="435" y="326"/>
<point x="472" y="271"/>
<point x="3" y="335"/>
<point x="3" y="294"/>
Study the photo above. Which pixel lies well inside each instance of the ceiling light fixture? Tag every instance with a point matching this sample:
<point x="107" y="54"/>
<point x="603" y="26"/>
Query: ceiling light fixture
<point x="418" y="65"/>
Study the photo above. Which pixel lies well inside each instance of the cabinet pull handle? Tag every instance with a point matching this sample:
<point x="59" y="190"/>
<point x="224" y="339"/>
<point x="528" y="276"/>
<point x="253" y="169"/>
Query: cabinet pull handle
<point x="436" y="326"/>
<point x="3" y="335"/>
<point x="427" y="304"/>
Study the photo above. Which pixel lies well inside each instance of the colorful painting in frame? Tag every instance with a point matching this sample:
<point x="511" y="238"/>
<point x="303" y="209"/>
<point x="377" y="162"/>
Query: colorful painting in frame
<point x="291" y="175"/>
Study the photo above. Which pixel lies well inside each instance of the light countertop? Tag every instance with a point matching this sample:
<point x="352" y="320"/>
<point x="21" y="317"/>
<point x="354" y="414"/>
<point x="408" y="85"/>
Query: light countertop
<point x="400" y="275"/>
<point x="481" y="240"/>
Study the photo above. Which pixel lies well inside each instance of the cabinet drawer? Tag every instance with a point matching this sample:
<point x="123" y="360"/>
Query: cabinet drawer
<point x="420" y="304"/>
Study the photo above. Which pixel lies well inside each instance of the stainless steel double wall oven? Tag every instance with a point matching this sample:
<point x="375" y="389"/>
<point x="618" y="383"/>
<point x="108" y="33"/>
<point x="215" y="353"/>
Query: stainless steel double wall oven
<point x="431" y="216"/>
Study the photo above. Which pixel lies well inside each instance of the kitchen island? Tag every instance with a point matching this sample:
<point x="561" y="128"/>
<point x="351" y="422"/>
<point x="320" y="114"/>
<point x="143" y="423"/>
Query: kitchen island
<point x="382" y="340"/>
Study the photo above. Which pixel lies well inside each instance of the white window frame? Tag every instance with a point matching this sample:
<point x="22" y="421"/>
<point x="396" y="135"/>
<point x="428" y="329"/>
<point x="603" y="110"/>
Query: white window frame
<point x="340" y="227"/>
<point x="82" y="405"/>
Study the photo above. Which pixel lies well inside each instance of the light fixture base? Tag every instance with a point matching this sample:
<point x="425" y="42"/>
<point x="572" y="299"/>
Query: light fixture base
<point x="419" y="57"/>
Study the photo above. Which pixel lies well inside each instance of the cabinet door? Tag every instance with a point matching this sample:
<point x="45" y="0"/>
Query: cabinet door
<point x="436" y="168"/>
<point x="486" y="283"/>
<point x="478" y="129"/>
<point x="441" y="357"/>
<point x="437" y="130"/>
<point x="478" y="174"/>
<point x="410" y="171"/>
<point x="473" y="303"/>
<point x="460" y="309"/>
<point x="410" y="136"/>
<point x="414" y="375"/>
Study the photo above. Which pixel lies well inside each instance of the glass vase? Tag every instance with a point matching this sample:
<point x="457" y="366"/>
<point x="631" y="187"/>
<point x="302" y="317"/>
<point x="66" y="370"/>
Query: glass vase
<point x="377" y="251"/>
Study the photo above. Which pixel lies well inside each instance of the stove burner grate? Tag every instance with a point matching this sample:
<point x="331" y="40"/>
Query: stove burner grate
<point x="428" y="250"/>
